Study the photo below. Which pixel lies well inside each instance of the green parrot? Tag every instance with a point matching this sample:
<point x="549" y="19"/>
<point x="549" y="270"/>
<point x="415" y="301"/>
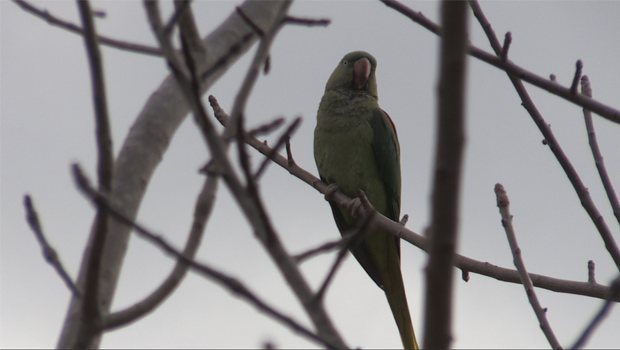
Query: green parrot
<point x="356" y="147"/>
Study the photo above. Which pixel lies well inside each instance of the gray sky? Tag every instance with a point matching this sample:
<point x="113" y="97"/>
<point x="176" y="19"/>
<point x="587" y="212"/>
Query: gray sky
<point x="47" y="124"/>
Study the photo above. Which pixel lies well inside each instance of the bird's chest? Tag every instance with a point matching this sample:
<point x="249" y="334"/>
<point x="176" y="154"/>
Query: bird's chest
<point x="344" y="153"/>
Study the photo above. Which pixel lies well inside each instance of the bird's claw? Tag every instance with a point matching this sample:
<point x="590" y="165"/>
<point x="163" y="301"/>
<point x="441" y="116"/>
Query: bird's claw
<point x="330" y="190"/>
<point x="354" y="206"/>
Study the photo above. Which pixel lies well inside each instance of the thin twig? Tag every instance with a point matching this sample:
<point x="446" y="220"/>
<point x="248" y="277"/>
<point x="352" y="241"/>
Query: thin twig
<point x="249" y="22"/>
<point x="190" y="36"/>
<point x="488" y="29"/>
<point x="149" y="138"/>
<point x="49" y="253"/>
<point x="506" y="46"/>
<point x="465" y="275"/>
<point x="447" y="174"/>
<point x="231" y="284"/>
<point x="323" y="248"/>
<point x="599" y="108"/>
<point x="266" y="128"/>
<point x="586" y="89"/>
<point x="591" y="272"/>
<point x="202" y="211"/>
<point x="565" y="163"/>
<point x="462" y="262"/>
<point x="91" y="311"/>
<point x="244" y="158"/>
<point x="118" y="44"/>
<point x="289" y="154"/>
<point x="180" y="7"/>
<point x="249" y="203"/>
<point x="233" y="52"/>
<point x="253" y="71"/>
<point x="351" y="240"/>
<point x="404" y="219"/>
<point x="281" y="141"/>
<point x="323" y="22"/>
<point x="504" y="208"/>
<point x="576" y="78"/>
<point x="614" y="292"/>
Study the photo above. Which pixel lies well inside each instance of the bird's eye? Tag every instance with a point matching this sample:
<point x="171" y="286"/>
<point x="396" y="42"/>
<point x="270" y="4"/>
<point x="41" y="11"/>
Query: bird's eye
<point x="344" y="62"/>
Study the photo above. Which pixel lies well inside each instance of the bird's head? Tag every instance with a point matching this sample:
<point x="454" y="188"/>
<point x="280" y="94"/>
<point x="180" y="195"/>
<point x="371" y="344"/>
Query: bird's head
<point x="356" y="71"/>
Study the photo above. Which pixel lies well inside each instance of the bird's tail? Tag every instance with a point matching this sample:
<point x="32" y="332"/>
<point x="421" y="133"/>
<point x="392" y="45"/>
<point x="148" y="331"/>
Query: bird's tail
<point x="395" y="293"/>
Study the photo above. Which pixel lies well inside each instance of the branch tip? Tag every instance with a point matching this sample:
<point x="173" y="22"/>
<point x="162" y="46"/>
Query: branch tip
<point x="506" y="46"/>
<point x="578" y="68"/>
<point x="307" y="21"/>
<point x="404" y="219"/>
<point x="586" y="87"/>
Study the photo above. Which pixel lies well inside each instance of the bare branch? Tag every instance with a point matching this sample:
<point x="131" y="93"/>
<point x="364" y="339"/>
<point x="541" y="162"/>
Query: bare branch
<point x="262" y="52"/>
<point x="614" y="293"/>
<point x="202" y="211"/>
<point x="266" y="128"/>
<point x="118" y="44"/>
<point x="465" y="275"/>
<point x="447" y="175"/>
<point x="149" y="137"/>
<point x="349" y="241"/>
<point x="189" y="31"/>
<point x="248" y="199"/>
<point x="179" y="9"/>
<point x="586" y="89"/>
<point x="90" y="325"/>
<point x="486" y="26"/>
<point x="599" y="108"/>
<point x="404" y="220"/>
<point x="48" y="251"/>
<point x="591" y="273"/>
<point x="249" y="22"/>
<point x="281" y="141"/>
<point x="506" y="46"/>
<point x="231" y="284"/>
<point x="461" y="262"/>
<point x="571" y="173"/>
<point x="323" y="22"/>
<point x="289" y="153"/>
<point x="504" y="208"/>
<point x="576" y="78"/>
<point x="323" y="248"/>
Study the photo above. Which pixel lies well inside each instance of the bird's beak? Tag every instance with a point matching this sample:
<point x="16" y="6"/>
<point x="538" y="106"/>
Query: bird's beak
<point x="361" y="72"/>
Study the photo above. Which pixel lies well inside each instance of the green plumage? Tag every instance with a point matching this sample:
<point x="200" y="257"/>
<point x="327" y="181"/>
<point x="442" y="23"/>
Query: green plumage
<point x="356" y="147"/>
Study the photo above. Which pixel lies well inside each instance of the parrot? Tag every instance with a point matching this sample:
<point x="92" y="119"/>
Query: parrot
<point x="356" y="147"/>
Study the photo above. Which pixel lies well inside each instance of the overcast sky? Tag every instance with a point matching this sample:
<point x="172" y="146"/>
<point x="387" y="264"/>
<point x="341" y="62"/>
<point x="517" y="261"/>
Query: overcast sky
<point x="47" y="124"/>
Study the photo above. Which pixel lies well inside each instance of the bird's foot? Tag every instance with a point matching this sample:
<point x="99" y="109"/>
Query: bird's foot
<point x="330" y="190"/>
<point x="354" y="207"/>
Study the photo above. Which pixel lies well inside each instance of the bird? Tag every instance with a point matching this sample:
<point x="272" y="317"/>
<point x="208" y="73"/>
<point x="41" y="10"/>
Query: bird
<point x="356" y="148"/>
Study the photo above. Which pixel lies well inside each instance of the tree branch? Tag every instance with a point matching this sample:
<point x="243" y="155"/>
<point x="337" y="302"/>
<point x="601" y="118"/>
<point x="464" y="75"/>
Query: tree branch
<point x="614" y="293"/>
<point x="248" y="199"/>
<point x="504" y="208"/>
<point x="586" y="89"/>
<point x="349" y="241"/>
<point x="48" y="251"/>
<point x="231" y="284"/>
<point x="202" y="211"/>
<point x="447" y="176"/>
<point x="571" y="173"/>
<point x="464" y="263"/>
<point x="148" y="139"/>
<point x="91" y="314"/>
<point x="118" y="44"/>
<point x="599" y="108"/>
